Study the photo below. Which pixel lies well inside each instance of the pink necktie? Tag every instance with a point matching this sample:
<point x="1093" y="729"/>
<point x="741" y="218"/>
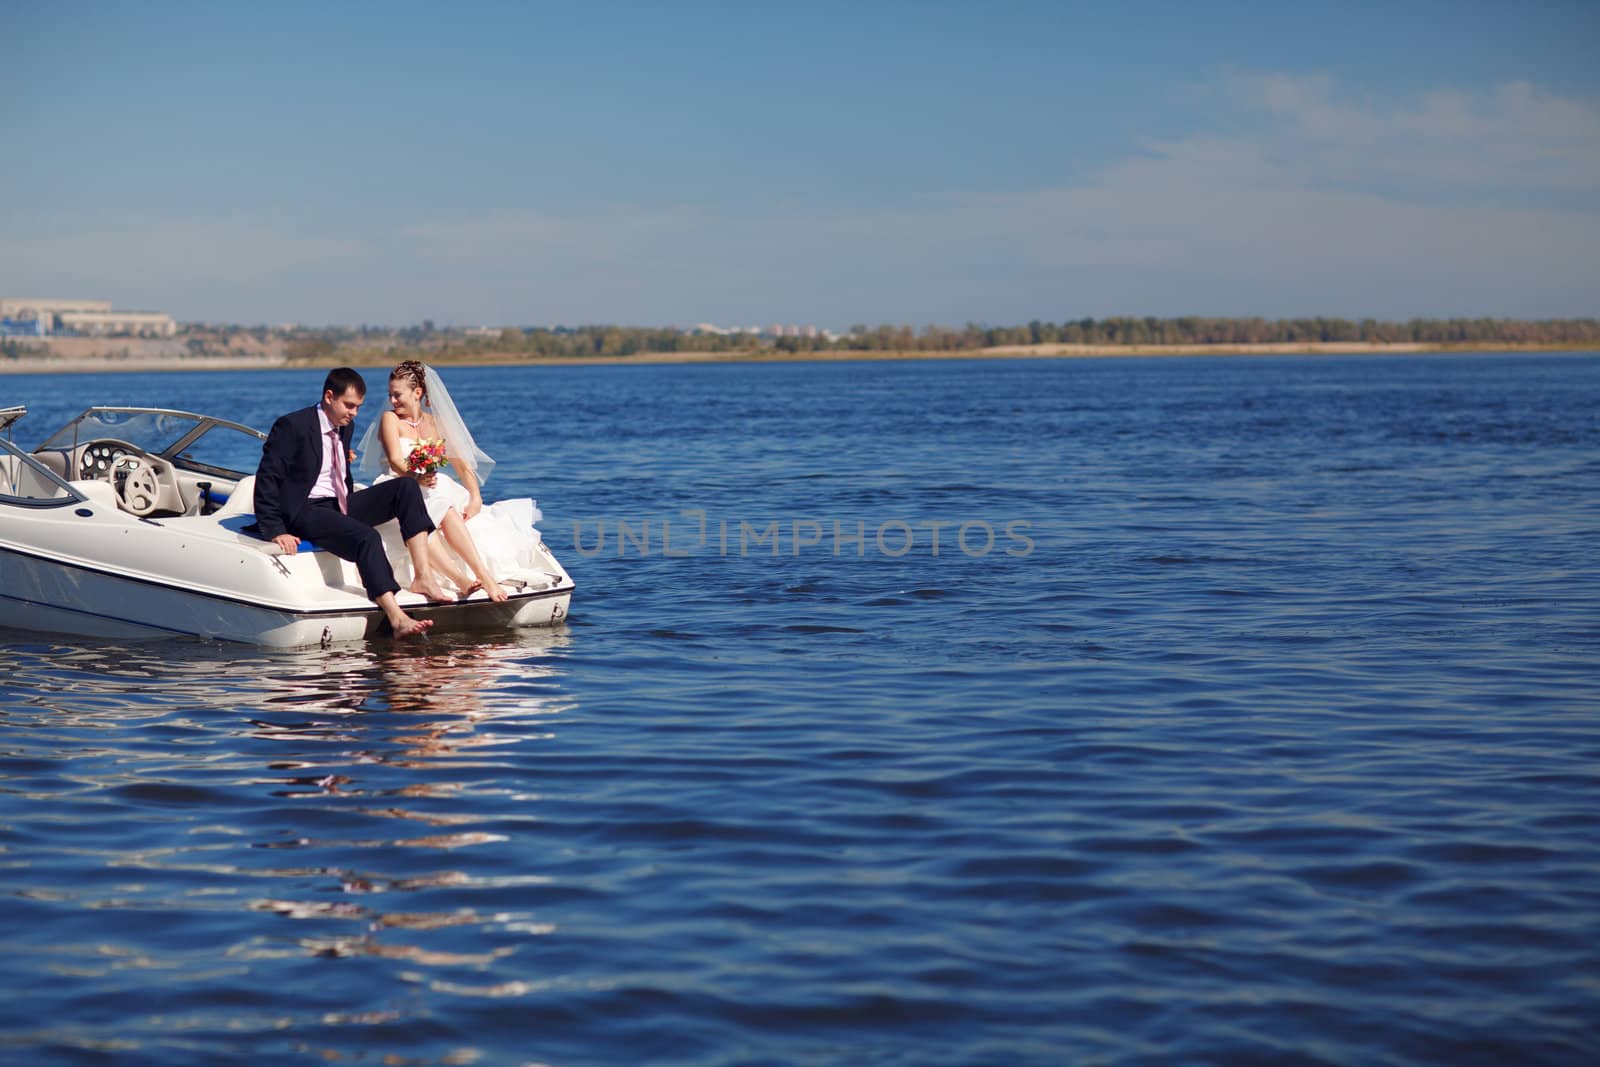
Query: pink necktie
<point x="340" y="490"/>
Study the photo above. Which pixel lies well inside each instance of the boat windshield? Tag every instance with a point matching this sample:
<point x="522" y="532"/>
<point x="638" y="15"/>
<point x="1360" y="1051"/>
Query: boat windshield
<point x="194" y="442"/>
<point x="145" y="428"/>
<point x="26" y="481"/>
<point x="9" y="416"/>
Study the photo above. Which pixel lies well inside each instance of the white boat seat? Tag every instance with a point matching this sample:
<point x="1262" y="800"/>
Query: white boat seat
<point x="239" y="512"/>
<point x="242" y="501"/>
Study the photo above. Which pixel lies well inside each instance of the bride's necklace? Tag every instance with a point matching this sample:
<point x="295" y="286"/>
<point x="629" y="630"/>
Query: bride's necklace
<point x="415" y="423"/>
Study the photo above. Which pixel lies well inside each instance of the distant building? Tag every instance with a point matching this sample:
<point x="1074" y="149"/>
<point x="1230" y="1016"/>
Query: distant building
<point x="42" y="317"/>
<point x="29" y="308"/>
<point x="126" y="323"/>
<point x="721" y="331"/>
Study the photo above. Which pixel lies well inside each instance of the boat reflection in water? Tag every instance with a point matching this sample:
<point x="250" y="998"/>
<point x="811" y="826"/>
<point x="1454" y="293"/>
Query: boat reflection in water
<point x="356" y="802"/>
<point x="432" y="730"/>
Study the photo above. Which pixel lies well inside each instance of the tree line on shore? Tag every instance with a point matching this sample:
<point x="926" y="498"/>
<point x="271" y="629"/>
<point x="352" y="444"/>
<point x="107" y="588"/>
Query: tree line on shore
<point x="1196" y="330"/>
<point x="306" y="344"/>
<point x="588" y="341"/>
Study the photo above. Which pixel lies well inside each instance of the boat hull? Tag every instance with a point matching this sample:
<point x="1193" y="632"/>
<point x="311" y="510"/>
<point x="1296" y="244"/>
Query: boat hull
<point x="50" y="594"/>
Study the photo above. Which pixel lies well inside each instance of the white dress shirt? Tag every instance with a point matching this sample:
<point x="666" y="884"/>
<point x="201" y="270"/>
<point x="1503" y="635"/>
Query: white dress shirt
<point x="324" y="486"/>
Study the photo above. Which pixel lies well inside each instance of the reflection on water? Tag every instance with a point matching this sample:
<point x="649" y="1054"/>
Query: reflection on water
<point x="328" y="789"/>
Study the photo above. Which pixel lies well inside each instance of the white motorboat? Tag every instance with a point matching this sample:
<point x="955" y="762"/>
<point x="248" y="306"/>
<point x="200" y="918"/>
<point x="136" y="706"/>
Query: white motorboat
<point x="131" y="522"/>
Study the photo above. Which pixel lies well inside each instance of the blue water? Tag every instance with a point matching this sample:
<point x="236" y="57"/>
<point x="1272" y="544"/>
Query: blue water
<point x="1266" y="730"/>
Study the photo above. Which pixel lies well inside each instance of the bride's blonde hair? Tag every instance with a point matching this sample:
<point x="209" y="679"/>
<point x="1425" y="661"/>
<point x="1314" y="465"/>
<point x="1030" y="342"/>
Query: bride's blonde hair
<point x="411" y="371"/>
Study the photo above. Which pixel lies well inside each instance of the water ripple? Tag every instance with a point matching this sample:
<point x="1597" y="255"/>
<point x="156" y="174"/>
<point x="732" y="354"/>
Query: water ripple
<point x="1278" y="747"/>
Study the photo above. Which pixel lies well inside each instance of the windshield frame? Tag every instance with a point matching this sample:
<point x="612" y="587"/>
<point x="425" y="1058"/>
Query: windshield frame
<point x="170" y="445"/>
<point x="10" y="497"/>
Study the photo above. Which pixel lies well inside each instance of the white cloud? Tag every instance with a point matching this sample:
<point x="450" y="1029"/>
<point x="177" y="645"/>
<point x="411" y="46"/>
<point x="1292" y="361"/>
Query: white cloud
<point x="1512" y="137"/>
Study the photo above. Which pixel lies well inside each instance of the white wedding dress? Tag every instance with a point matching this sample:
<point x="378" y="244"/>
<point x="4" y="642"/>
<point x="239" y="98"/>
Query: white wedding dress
<point x="503" y="531"/>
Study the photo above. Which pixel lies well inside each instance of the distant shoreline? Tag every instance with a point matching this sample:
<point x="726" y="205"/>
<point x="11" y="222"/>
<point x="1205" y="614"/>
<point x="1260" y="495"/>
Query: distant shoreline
<point x="84" y="364"/>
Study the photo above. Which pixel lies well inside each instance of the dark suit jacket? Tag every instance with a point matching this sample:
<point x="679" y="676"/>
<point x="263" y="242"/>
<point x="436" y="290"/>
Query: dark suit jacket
<point x="291" y="459"/>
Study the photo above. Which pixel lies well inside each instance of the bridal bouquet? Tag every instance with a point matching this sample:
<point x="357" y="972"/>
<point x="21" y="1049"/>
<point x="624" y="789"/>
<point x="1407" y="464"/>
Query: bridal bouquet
<point x="427" y="456"/>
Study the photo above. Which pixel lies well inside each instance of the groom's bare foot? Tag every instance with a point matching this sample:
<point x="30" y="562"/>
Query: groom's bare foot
<point x="413" y="627"/>
<point x="431" y="590"/>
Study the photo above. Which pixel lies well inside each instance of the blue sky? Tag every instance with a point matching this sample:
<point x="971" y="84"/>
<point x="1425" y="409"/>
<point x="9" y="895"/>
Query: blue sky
<point x="827" y="163"/>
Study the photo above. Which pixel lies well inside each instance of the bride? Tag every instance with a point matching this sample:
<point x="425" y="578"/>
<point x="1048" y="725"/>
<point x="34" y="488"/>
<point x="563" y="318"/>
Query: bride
<point x="490" y="540"/>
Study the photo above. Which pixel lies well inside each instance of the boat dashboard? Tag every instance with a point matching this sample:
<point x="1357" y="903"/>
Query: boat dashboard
<point x="158" y="463"/>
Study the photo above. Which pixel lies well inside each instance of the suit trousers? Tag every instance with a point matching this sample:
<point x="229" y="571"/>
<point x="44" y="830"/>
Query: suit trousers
<point x="353" y="537"/>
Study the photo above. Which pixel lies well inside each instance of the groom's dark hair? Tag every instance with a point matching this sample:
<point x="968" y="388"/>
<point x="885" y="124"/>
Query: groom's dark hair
<point x="341" y="378"/>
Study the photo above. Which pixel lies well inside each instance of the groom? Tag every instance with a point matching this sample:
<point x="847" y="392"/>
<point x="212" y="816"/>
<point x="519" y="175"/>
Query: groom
<point x="304" y="489"/>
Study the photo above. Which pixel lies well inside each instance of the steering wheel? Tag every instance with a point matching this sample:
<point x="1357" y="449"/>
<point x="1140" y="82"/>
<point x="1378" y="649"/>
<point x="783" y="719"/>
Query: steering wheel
<point x="99" y="458"/>
<point x="137" y="487"/>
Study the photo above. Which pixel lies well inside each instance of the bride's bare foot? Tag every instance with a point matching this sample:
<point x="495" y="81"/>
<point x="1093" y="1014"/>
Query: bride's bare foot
<point x="491" y="589"/>
<point x="431" y="590"/>
<point x="413" y="627"/>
